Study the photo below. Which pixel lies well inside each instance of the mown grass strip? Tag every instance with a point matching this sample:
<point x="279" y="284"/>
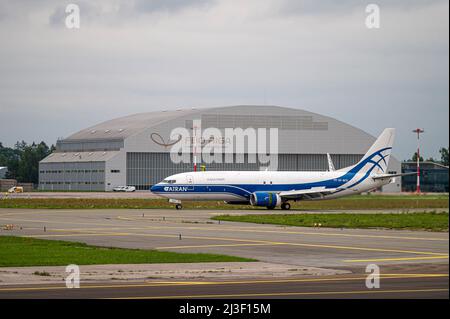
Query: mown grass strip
<point x="25" y="251"/>
<point x="353" y="203"/>
<point x="412" y="221"/>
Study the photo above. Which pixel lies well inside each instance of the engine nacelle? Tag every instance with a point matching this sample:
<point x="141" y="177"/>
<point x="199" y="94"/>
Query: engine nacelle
<point x="269" y="200"/>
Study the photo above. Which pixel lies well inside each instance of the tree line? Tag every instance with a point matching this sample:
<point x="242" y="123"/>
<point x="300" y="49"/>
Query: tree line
<point x="23" y="159"/>
<point x="444" y="157"/>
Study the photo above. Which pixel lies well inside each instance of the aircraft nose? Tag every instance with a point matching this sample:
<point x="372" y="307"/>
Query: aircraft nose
<point x="154" y="188"/>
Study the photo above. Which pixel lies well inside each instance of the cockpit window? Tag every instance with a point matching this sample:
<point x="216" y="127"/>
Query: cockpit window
<point x="169" y="181"/>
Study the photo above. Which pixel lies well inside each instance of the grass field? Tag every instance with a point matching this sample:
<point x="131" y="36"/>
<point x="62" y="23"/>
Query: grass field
<point x="412" y="221"/>
<point x="22" y="251"/>
<point x="352" y="202"/>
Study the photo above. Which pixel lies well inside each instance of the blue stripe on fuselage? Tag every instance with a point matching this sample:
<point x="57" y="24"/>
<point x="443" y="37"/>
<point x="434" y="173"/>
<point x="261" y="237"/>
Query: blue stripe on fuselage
<point x="245" y="190"/>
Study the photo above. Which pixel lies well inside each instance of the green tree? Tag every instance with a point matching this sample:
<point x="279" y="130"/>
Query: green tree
<point x="444" y="155"/>
<point x="23" y="160"/>
<point x="414" y="158"/>
<point x="9" y="157"/>
<point x="31" y="155"/>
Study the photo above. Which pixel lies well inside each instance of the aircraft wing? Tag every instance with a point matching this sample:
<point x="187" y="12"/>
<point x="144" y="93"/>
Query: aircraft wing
<point x="311" y="193"/>
<point x="387" y="176"/>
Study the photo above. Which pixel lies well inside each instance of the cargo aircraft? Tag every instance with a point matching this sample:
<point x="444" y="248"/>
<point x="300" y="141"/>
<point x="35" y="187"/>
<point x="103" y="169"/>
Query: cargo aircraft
<point x="277" y="188"/>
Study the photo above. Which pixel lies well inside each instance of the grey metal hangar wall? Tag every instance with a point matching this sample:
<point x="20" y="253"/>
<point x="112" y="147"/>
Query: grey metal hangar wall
<point x="135" y="150"/>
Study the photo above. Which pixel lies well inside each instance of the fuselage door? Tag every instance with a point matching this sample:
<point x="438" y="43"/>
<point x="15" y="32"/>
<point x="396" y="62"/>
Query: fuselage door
<point x="190" y="182"/>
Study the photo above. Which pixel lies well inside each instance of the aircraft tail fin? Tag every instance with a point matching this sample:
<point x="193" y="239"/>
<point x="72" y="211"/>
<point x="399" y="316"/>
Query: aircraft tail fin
<point x="376" y="160"/>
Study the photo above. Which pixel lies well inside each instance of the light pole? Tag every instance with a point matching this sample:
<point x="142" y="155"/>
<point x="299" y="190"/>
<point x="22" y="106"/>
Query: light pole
<point x="418" y="131"/>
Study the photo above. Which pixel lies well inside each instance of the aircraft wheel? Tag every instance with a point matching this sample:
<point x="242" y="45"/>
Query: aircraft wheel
<point x="285" y="206"/>
<point x="178" y="206"/>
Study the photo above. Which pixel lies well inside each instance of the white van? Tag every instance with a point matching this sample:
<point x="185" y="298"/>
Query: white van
<point x="124" y="189"/>
<point x="16" y="189"/>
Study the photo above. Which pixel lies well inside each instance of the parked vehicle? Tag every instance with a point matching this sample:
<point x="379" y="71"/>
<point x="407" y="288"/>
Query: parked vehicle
<point x="124" y="189"/>
<point x="16" y="189"/>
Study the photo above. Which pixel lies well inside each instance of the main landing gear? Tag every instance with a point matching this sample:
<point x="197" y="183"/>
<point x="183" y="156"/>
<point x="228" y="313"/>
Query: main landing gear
<point x="178" y="206"/>
<point x="285" y="206"/>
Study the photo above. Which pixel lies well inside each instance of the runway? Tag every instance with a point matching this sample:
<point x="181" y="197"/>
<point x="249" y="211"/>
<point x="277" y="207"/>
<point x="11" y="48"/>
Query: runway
<point x="343" y="286"/>
<point x="396" y="252"/>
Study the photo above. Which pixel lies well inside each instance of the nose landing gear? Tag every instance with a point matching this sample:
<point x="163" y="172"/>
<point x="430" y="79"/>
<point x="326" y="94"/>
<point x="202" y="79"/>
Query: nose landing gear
<point x="177" y="203"/>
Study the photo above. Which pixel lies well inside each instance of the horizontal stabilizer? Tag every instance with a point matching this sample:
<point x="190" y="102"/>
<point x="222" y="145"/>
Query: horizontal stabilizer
<point x="386" y="176"/>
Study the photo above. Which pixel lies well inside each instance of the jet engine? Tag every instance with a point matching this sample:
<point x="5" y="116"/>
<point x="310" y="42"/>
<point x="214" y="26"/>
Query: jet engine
<point x="269" y="200"/>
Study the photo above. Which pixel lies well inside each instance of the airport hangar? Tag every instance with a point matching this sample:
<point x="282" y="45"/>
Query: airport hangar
<point x="130" y="150"/>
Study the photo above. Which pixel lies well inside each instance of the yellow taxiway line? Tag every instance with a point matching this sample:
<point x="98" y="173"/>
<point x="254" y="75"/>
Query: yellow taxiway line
<point x="218" y="245"/>
<point x="310" y="245"/>
<point x="395" y="259"/>
<point x="250" y="230"/>
<point x="279" y="294"/>
<point x="211" y="227"/>
<point x="240" y="242"/>
<point x="248" y="241"/>
<point x="242" y="282"/>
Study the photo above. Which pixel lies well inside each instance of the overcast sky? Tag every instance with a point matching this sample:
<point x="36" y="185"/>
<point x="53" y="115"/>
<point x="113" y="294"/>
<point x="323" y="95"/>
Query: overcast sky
<point x="140" y="56"/>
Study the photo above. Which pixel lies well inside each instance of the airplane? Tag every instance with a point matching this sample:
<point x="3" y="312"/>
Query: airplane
<point x="272" y="189"/>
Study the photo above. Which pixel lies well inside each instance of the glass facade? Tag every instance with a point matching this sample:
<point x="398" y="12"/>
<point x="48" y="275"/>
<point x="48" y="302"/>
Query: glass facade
<point x="433" y="177"/>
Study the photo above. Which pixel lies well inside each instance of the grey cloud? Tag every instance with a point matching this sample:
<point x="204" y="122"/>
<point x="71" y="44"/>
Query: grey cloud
<point x="12" y="9"/>
<point x="57" y="17"/>
<point x="146" y="6"/>
<point x="54" y="82"/>
<point x="306" y="7"/>
<point x="93" y="11"/>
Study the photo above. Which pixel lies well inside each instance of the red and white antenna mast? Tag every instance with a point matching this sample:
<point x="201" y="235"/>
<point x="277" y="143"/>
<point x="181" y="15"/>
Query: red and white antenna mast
<point x="418" y="131"/>
<point x="196" y="127"/>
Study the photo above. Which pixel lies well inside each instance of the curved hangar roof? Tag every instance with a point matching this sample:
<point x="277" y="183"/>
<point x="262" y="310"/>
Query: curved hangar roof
<point x="126" y="126"/>
<point x="221" y="117"/>
<point x="299" y="131"/>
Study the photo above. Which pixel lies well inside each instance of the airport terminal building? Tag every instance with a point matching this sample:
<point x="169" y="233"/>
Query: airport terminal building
<point x="135" y="150"/>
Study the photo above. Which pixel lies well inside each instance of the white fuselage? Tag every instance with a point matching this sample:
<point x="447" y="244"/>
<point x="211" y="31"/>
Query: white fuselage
<point x="239" y="185"/>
